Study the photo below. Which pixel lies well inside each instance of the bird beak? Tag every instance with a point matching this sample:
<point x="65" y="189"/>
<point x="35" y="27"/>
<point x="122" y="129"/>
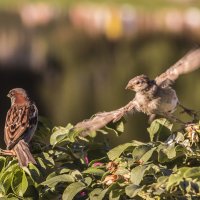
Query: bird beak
<point x="129" y="85"/>
<point x="8" y="95"/>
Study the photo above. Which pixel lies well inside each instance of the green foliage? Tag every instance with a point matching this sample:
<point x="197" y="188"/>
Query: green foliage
<point x="74" y="167"/>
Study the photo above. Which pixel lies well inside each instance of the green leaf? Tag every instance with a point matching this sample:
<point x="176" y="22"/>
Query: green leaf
<point x="153" y="129"/>
<point x="33" y="173"/>
<point x="156" y="126"/>
<point x="114" y="195"/>
<point x="99" y="194"/>
<point x="166" y="123"/>
<point x="179" y="137"/>
<point x="132" y="190"/>
<point x="2" y="163"/>
<point x="61" y="133"/>
<point x="77" y="174"/>
<point x="117" y="128"/>
<point x="52" y="182"/>
<point x="139" y="151"/>
<point x="51" y="175"/>
<point x="120" y="126"/>
<point x="41" y="162"/>
<point x="73" y="133"/>
<point x="88" y="180"/>
<point x="19" y="183"/>
<point x="92" y="134"/>
<point x="9" y="198"/>
<point x="176" y="178"/>
<point x="142" y="153"/>
<point x="171" y="151"/>
<point x="162" y="157"/>
<point x="166" y="152"/>
<point x="64" y="171"/>
<point x="2" y="191"/>
<point x="122" y="171"/>
<point x="94" y="171"/>
<point x="95" y="193"/>
<point x="117" y="151"/>
<point x="162" y="179"/>
<point x="137" y="174"/>
<point x="147" y="155"/>
<point x="34" y="170"/>
<point x="102" y="194"/>
<point x="72" y="190"/>
<point x="8" y="174"/>
<point x="58" y="134"/>
<point x="193" y="172"/>
<point x="48" y="160"/>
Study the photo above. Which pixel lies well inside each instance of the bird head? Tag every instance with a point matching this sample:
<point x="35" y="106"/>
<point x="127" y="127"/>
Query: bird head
<point x="18" y="95"/>
<point x="138" y="83"/>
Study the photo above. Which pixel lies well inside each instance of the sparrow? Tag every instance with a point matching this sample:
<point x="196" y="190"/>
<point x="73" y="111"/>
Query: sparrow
<point x="20" y="126"/>
<point x="152" y="97"/>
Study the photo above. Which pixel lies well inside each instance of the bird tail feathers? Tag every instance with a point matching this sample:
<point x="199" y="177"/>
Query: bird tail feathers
<point x="23" y="154"/>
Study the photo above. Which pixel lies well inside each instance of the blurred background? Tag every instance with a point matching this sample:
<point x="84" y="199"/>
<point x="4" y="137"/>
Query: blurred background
<point x="76" y="57"/>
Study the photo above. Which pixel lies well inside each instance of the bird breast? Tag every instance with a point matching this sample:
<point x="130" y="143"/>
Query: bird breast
<point x="145" y="103"/>
<point x="164" y="101"/>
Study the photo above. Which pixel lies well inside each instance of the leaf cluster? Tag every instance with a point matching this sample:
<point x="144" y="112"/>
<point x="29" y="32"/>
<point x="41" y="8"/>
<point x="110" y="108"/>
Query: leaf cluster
<point x="71" y="166"/>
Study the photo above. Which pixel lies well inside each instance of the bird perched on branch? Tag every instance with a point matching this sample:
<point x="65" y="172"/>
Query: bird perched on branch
<point x="20" y="125"/>
<point x="152" y="97"/>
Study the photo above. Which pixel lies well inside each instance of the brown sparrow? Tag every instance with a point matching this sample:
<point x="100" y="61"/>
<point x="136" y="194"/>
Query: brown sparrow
<point x="152" y="97"/>
<point x="20" y="125"/>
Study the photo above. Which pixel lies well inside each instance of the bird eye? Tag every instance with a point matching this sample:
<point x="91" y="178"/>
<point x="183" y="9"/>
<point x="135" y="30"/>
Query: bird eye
<point x="138" y="82"/>
<point x="11" y="94"/>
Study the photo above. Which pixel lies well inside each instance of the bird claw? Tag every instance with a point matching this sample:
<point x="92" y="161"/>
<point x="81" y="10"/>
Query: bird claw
<point x="191" y="113"/>
<point x="1" y="151"/>
<point x="7" y="152"/>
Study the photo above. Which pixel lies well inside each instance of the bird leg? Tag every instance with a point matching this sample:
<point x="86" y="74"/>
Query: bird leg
<point x="7" y="152"/>
<point x="173" y="118"/>
<point x="151" y="118"/>
<point x="190" y="112"/>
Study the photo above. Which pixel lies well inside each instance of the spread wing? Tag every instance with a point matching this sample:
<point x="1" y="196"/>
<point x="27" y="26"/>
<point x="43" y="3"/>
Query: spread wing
<point x="18" y="120"/>
<point x="100" y="120"/>
<point x="187" y="64"/>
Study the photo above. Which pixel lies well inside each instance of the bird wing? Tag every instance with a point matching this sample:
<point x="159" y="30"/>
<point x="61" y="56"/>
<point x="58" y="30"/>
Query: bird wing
<point x="188" y="63"/>
<point x="100" y="120"/>
<point x="18" y="120"/>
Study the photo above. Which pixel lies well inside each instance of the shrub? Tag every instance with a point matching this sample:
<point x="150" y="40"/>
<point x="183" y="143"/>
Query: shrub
<point x="74" y="167"/>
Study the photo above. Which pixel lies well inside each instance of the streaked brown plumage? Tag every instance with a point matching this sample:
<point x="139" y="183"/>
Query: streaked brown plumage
<point x="20" y="125"/>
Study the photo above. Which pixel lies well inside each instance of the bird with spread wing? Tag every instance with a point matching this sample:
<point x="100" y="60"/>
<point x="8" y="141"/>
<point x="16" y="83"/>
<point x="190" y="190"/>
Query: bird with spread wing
<point x="152" y="97"/>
